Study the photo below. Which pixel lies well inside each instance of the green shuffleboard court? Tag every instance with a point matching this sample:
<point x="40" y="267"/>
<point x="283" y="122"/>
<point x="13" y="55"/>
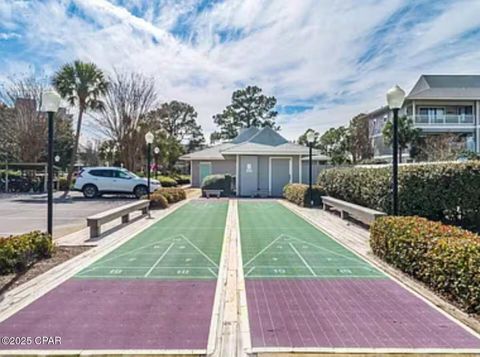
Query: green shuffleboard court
<point x="278" y="243"/>
<point x="186" y="244"/>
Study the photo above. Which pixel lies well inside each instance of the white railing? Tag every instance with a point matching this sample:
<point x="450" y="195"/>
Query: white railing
<point x="446" y="119"/>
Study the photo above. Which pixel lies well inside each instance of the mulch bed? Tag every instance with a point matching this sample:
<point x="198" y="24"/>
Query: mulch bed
<point x="60" y="255"/>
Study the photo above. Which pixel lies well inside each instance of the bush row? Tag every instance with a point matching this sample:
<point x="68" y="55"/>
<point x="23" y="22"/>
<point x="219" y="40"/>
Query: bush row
<point x="167" y="181"/>
<point x="300" y="194"/>
<point x="162" y="197"/>
<point x="172" y="195"/>
<point x="448" y="192"/>
<point x="218" y="182"/>
<point x="444" y="257"/>
<point x="18" y="252"/>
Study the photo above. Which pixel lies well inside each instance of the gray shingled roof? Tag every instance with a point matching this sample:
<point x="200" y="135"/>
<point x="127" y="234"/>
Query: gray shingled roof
<point x="245" y="135"/>
<point x="251" y="141"/>
<point x="446" y="87"/>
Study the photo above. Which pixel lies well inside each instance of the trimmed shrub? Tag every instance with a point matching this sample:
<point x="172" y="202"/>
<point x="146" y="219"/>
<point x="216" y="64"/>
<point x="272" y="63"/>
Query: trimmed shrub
<point x="448" y="192"/>
<point x="299" y="194"/>
<point x="167" y="181"/>
<point x="158" y="201"/>
<point x="172" y="195"/>
<point x="182" y="179"/>
<point x="218" y="182"/>
<point x="19" y="252"/>
<point x="444" y="257"/>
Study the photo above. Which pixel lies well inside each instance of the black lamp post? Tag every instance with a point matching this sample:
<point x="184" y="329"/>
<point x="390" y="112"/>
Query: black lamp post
<point x="395" y="98"/>
<point x="310" y="141"/>
<point x="156" y="151"/>
<point x="50" y="104"/>
<point x="149" y="140"/>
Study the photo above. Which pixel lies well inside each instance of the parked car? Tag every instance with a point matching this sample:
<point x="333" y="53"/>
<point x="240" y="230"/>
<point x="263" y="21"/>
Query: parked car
<point x="95" y="181"/>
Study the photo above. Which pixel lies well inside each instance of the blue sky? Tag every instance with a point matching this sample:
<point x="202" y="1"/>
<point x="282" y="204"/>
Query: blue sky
<point x="325" y="61"/>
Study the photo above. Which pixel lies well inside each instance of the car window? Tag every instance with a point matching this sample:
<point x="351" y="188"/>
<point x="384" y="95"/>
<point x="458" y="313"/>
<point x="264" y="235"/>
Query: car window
<point x="121" y="174"/>
<point x="101" y="173"/>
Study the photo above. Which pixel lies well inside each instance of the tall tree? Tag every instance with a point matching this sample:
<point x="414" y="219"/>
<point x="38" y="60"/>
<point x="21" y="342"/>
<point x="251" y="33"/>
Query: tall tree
<point x="407" y="134"/>
<point x="334" y="143"/>
<point x="81" y="84"/>
<point x="249" y="107"/>
<point x="178" y="121"/>
<point x="23" y="125"/>
<point x="359" y="144"/>
<point x="123" y="117"/>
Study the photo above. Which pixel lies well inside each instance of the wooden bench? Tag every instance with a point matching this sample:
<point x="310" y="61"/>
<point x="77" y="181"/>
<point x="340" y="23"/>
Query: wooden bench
<point x="95" y="222"/>
<point x="360" y="213"/>
<point x="216" y="193"/>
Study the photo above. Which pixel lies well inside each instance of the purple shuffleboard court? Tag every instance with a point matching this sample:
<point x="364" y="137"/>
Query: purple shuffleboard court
<point x="118" y="314"/>
<point x="351" y="313"/>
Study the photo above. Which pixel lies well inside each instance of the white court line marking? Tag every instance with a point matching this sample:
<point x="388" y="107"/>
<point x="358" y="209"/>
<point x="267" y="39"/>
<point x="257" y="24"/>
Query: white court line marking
<point x="158" y="260"/>
<point x="263" y="250"/>
<point x="198" y="250"/>
<point x="326" y="249"/>
<point x="213" y="272"/>
<point x="249" y="271"/>
<point x="302" y="259"/>
<point x="101" y="261"/>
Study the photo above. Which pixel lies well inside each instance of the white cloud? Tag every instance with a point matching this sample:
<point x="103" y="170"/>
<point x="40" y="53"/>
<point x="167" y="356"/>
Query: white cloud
<point x="340" y="57"/>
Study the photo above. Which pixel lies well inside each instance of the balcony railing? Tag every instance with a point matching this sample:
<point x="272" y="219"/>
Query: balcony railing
<point x="446" y="119"/>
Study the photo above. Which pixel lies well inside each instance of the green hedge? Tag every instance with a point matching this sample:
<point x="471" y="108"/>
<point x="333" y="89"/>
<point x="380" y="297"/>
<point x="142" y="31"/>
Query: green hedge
<point x="218" y="182"/>
<point x="299" y="194"/>
<point x="182" y="179"/>
<point x="444" y="257"/>
<point x="18" y="252"/>
<point x="158" y="201"/>
<point x="448" y="192"/>
<point x="167" y="181"/>
<point x="172" y="195"/>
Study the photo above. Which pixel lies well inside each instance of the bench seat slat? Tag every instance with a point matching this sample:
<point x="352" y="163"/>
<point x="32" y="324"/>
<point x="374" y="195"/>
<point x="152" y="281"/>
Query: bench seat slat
<point x="97" y="220"/>
<point x="363" y="214"/>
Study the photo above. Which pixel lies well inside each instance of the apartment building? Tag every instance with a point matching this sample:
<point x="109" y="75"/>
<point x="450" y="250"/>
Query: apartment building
<point x="437" y="104"/>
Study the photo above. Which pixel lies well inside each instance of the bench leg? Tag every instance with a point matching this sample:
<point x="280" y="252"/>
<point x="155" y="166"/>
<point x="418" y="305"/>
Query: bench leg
<point x="145" y="210"/>
<point x="95" y="231"/>
<point x="343" y="214"/>
<point x="126" y="218"/>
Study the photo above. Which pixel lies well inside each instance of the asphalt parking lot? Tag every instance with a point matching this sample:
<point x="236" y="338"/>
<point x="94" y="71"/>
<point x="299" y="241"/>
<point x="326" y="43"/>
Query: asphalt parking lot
<point x="27" y="212"/>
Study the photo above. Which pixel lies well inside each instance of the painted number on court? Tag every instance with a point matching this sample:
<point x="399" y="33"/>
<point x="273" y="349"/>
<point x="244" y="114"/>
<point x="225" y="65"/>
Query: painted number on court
<point x="279" y="271"/>
<point x="183" y="272"/>
<point x="116" y="271"/>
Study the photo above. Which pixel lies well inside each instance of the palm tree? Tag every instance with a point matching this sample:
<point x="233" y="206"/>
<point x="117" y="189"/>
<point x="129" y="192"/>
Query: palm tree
<point x="81" y="84"/>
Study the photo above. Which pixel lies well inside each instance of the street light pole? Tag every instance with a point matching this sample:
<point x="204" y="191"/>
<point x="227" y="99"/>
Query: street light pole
<point x="50" y="175"/>
<point x="149" y="140"/>
<point x="310" y="140"/>
<point x="50" y="104"/>
<point x="395" y="162"/>
<point x="156" y="151"/>
<point x="395" y="98"/>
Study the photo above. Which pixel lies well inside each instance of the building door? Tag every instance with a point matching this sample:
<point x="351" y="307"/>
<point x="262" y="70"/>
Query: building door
<point x="248" y="175"/>
<point x="280" y="175"/>
<point x="205" y="169"/>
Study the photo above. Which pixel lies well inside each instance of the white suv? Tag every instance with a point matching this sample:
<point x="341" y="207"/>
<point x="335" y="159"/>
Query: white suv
<point x="95" y="181"/>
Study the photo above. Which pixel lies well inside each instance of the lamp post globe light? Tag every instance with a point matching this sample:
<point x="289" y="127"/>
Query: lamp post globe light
<point x="310" y="141"/>
<point x="395" y="98"/>
<point x="156" y="151"/>
<point x="149" y="140"/>
<point x="57" y="159"/>
<point x="50" y="104"/>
